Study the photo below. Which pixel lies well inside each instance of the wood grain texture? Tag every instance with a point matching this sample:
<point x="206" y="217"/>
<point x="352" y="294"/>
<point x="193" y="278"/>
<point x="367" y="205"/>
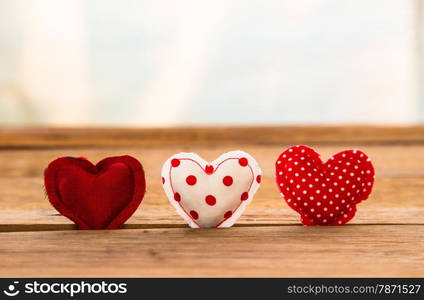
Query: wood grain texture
<point x="386" y="238"/>
<point x="373" y="250"/>
<point x="196" y="136"/>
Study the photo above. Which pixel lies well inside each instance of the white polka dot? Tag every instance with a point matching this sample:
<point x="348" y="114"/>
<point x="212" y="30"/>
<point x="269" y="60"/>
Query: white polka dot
<point x="311" y="186"/>
<point x="337" y="196"/>
<point x="281" y="184"/>
<point x="296" y="163"/>
<point x="325" y="220"/>
<point x="337" y="208"/>
<point x="305" y="203"/>
<point x="280" y="173"/>
<point x="290" y="150"/>
<point x="331" y="202"/>
<point x="296" y="174"/>
<point x="279" y="162"/>
<point x="303" y="180"/>
<point x="312" y="197"/>
<point x="318" y="191"/>
<point x="340" y="177"/>
<point x="298" y="186"/>
<point x="305" y="192"/>
<point x="318" y="203"/>
<point x="312" y="210"/>
<point x="325" y="208"/>
<point x="324" y="197"/>
<point x="318" y="216"/>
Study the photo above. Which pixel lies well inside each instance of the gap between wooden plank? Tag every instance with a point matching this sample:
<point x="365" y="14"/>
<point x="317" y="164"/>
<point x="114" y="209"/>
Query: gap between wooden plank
<point x="7" y="228"/>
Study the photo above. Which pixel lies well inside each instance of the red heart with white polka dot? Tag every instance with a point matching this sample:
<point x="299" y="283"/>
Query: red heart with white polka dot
<point x="324" y="193"/>
<point x="211" y="195"/>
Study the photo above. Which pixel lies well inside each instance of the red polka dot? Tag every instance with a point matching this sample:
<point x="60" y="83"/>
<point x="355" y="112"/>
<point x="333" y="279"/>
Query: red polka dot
<point x="228" y="214"/>
<point x="191" y="180"/>
<point x="209" y="169"/>
<point x="163" y="180"/>
<point x="243" y="161"/>
<point x="177" y="197"/>
<point x="244" y="196"/>
<point x="194" y="214"/>
<point x="210" y="200"/>
<point x="175" y="162"/>
<point x="227" y="180"/>
<point x="259" y="178"/>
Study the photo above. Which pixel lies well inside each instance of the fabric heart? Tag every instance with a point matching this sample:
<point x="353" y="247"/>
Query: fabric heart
<point x="324" y="193"/>
<point x="101" y="196"/>
<point x="211" y="195"/>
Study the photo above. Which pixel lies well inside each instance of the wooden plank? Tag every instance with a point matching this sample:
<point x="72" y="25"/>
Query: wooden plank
<point x="389" y="160"/>
<point x="49" y="220"/>
<point x="394" y="201"/>
<point x="368" y="251"/>
<point x="399" y="185"/>
<point x="23" y="137"/>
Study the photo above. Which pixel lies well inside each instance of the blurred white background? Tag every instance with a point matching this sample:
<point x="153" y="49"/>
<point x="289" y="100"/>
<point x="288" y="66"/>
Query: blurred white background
<point x="110" y="62"/>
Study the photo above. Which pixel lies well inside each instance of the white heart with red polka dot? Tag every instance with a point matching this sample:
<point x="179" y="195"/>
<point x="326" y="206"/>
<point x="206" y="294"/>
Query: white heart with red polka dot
<point x="211" y="194"/>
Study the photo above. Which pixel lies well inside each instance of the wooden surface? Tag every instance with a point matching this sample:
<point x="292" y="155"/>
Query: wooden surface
<point x="386" y="238"/>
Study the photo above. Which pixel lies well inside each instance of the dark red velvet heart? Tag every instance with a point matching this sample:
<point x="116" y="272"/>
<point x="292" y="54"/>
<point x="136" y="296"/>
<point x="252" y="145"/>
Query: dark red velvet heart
<point x="101" y="196"/>
<point x="324" y="193"/>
